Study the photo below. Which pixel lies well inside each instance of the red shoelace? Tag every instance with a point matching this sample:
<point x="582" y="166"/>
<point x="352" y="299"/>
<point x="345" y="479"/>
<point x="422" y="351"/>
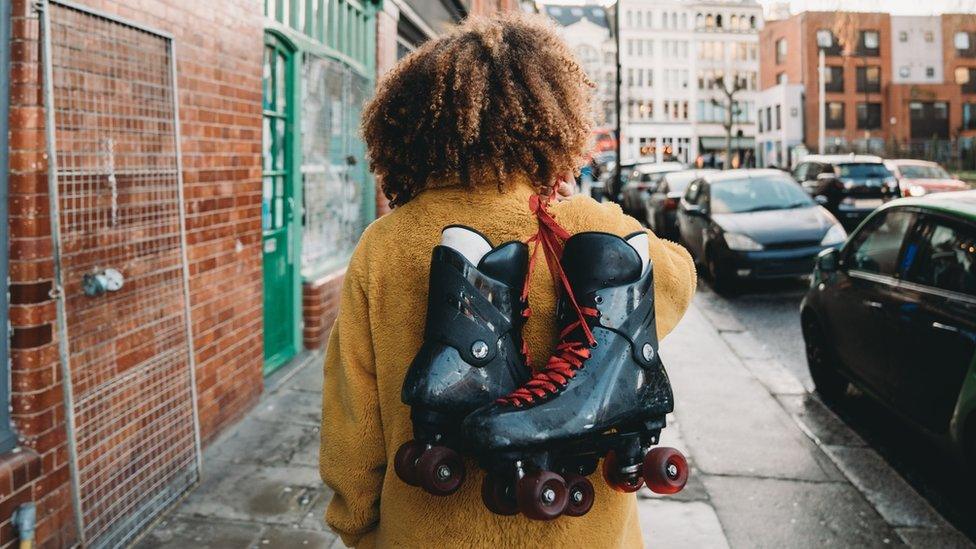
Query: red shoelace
<point x="572" y="350"/>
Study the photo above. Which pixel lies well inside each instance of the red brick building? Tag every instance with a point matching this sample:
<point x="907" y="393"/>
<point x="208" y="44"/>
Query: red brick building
<point x="890" y="81"/>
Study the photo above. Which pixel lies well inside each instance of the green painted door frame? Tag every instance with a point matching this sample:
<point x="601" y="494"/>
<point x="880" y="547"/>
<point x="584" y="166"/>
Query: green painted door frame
<point x="281" y="204"/>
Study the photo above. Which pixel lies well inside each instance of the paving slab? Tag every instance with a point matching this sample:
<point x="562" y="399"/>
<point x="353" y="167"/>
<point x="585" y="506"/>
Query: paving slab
<point x="819" y="422"/>
<point x="294" y="538"/>
<point x="181" y="532"/>
<point x="894" y="499"/>
<point x="679" y="525"/>
<point x="760" y="513"/>
<point x="746" y="346"/>
<point x="264" y="442"/>
<point x="777" y="379"/>
<point x="309" y="378"/>
<point x="256" y="493"/>
<point x="730" y="422"/>
<point x="289" y="406"/>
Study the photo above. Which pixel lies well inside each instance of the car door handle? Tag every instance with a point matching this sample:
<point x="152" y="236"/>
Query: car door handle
<point x="945" y="327"/>
<point x="873" y="304"/>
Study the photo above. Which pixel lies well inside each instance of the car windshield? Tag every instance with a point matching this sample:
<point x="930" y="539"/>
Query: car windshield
<point x="913" y="171"/>
<point x="865" y="170"/>
<point x="758" y="194"/>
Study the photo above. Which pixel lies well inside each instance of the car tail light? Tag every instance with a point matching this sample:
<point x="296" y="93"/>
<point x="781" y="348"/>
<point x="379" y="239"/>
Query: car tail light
<point x="671" y="204"/>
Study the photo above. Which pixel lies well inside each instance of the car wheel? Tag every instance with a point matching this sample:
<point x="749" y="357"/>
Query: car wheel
<point x="822" y="362"/>
<point x="721" y="279"/>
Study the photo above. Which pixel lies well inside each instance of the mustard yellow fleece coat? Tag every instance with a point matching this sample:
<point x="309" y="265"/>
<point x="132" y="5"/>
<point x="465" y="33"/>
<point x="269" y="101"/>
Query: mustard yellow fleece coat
<point x="378" y="331"/>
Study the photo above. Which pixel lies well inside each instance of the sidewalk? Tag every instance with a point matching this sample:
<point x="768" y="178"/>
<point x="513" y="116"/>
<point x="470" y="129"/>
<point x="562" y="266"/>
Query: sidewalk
<point x="771" y="466"/>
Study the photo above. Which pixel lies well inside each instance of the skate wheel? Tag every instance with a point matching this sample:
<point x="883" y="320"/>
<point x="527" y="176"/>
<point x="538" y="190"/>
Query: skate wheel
<point x="580" y="495"/>
<point x="665" y="470"/>
<point x="541" y="495"/>
<point x="440" y="470"/>
<point x="498" y="495"/>
<point x="613" y="478"/>
<point x="405" y="461"/>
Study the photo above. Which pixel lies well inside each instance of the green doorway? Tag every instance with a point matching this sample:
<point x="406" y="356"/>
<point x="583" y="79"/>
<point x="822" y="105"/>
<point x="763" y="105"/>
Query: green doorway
<point x="280" y="222"/>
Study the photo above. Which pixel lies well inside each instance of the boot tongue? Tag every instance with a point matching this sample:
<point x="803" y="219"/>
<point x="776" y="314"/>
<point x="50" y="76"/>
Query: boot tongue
<point x="506" y="264"/>
<point x="594" y="261"/>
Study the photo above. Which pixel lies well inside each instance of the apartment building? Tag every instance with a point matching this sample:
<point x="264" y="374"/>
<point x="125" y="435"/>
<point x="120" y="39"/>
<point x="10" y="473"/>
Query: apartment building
<point x="889" y="81"/>
<point x="587" y="31"/>
<point x="672" y="56"/>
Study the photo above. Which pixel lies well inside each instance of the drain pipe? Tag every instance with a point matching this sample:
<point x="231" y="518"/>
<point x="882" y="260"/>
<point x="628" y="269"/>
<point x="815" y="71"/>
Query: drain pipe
<point x="25" y="520"/>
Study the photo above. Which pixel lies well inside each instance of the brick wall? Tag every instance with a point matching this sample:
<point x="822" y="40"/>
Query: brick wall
<point x="320" y="306"/>
<point x="219" y="46"/>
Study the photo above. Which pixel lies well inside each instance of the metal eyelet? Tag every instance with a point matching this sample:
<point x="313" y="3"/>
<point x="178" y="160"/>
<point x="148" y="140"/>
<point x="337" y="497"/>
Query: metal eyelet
<point x="598" y="299"/>
<point x="479" y="349"/>
<point x="647" y="351"/>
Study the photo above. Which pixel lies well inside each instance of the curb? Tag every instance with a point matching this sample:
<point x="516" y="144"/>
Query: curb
<point x="915" y="521"/>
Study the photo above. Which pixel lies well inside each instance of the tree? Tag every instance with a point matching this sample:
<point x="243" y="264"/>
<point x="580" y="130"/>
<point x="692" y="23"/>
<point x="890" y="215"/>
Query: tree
<point x="731" y="109"/>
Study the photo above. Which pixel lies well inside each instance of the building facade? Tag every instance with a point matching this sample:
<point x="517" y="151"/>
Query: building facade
<point x="673" y="55"/>
<point x="587" y="30"/>
<point x="893" y="85"/>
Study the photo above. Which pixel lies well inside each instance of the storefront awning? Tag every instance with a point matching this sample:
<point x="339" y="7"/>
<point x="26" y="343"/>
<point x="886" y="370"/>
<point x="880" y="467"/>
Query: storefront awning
<point x="717" y="143"/>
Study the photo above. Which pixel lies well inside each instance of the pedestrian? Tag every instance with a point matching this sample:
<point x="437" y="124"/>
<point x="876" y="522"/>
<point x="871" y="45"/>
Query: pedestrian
<point x="465" y="130"/>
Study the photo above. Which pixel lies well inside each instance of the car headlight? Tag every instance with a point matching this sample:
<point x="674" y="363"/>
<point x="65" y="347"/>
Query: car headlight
<point x="835" y="235"/>
<point x="741" y="243"/>
<point x="917" y="190"/>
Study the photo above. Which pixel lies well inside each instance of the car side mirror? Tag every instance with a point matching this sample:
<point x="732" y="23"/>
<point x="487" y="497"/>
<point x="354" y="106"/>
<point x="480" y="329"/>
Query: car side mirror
<point x="828" y="261"/>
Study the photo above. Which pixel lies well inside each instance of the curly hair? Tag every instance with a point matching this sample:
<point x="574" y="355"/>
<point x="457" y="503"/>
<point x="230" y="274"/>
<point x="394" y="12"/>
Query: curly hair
<point x="496" y="96"/>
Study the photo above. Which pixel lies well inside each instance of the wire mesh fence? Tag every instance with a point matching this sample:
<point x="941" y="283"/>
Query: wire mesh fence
<point x="134" y="436"/>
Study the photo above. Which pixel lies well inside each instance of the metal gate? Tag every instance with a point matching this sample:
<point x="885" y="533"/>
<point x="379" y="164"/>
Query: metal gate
<point x="119" y="242"/>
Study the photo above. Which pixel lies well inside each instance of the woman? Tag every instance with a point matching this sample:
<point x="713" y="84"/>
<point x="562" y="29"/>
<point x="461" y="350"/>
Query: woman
<point x="463" y="131"/>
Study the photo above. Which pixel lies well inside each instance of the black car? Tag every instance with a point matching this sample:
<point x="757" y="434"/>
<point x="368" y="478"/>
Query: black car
<point x="850" y="186"/>
<point x="894" y="312"/>
<point x="643" y="180"/>
<point x="754" y="224"/>
<point x="661" y="208"/>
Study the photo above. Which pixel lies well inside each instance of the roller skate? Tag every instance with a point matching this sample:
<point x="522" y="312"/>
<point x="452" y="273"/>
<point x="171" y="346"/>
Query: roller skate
<point x="603" y="394"/>
<point x="472" y="352"/>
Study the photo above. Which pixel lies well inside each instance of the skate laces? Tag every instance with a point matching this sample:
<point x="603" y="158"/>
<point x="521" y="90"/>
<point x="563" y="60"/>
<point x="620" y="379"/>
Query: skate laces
<point x="572" y="350"/>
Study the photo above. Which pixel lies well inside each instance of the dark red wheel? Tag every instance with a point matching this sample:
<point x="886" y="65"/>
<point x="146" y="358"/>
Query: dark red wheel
<point x="405" y="461"/>
<point x="665" y="470"/>
<point x="440" y="470"/>
<point x="580" y="495"/>
<point x="499" y="495"/>
<point x="613" y="478"/>
<point x="541" y="495"/>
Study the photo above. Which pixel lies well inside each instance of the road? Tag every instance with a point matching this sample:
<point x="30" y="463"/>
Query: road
<point x="770" y="311"/>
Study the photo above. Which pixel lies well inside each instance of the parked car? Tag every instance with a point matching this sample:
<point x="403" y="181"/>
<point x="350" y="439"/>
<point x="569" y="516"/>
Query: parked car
<point x="921" y="177"/>
<point x="661" y="208"/>
<point x="850" y="186"/>
<point x="894" y="312"/>
<point x="643" y="180"/>
<point x="612" y="188"/>
<point x="754" y="224"/>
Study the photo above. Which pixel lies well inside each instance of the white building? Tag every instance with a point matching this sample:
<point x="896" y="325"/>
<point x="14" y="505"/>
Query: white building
<point x="587" y="31"/>
<point x="671" y="53"/>
<point x="779" y="126"/>
<point x="916" y="50"/>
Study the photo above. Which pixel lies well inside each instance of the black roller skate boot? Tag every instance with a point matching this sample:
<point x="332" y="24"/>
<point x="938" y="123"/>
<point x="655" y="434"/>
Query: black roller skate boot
<point x="603" y="394"/>
<point x="472" y="352"/>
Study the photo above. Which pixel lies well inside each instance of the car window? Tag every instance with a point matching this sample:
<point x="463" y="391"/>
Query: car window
<point x="813" y="171"/>
<point x="754" y="194"/>
<point x="863" y="170"/>
<point x="875" y="249"/>
<point x="912" y="171"/>
<point x="800" y="173"/>
<point x="943" y="256"/>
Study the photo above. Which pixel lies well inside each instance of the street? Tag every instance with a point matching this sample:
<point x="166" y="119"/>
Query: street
<point x="770" y="311"/>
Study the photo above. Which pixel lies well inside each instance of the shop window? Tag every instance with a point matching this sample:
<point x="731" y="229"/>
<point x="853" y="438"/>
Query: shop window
<point x="969" y="116"/>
